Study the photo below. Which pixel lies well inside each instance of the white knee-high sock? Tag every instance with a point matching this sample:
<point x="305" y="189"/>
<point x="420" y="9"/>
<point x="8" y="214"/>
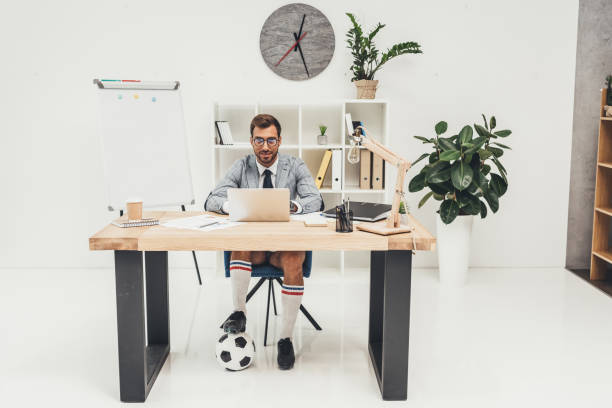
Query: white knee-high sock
<point x="240" y="275"/>
<point x="291" y="298"/>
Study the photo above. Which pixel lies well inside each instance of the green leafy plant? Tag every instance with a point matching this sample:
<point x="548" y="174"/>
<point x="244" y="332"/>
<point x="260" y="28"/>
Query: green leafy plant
<point x="322" y="129"/>
<point x="366" y="59"/>
<point x="403" y="209"/>
<point x="459" y="173"/>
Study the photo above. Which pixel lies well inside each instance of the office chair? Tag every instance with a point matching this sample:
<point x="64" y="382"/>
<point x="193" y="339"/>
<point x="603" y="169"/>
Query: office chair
<point x="267" y="272"/>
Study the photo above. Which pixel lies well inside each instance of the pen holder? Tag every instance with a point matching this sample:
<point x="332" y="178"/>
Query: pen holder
<point x="344" y="221"/>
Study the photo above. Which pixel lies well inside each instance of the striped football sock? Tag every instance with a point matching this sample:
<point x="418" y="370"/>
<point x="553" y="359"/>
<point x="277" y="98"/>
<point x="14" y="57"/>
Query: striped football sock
<point x="240" y="275"/>
<point x="291" y="298"/>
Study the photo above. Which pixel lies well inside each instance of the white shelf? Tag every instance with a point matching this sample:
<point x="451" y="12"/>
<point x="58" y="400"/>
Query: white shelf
<point x="300" y="127"/>
<point x="247" y="146"/>
<point x="367" y="101"/>
<point x="233" y="146"/>
<point x="321" y="147"/>
<point x="362" y="191"/>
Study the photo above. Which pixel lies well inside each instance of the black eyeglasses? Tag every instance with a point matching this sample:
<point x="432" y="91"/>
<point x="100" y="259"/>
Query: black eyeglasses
<point x="259" y="141"/>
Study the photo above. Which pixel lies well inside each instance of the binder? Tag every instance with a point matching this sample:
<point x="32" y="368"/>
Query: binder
<point x="337" y="170"/>
<point x="365" y="171"/>
<point x="378" y="173"/>
<point x="323" y="168"/>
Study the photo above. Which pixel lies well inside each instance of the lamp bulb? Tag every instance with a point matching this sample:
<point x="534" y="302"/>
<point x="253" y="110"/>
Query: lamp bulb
<point x="353" y="156"/>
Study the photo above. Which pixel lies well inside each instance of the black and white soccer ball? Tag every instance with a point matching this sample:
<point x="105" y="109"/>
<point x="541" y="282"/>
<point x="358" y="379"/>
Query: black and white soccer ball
<point x="235" y="351"/>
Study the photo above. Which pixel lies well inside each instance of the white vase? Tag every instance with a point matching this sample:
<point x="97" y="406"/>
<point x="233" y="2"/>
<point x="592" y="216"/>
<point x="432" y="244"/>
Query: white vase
<point x="453" y="242"/>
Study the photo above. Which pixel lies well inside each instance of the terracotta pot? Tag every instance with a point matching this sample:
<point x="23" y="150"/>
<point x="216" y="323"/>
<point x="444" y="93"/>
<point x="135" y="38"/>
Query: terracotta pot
<point x="366" y="89"/>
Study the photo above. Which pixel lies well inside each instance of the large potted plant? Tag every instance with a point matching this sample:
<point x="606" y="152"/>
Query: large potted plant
<point x="465" y="174"/>
<point x="366" y="60"/>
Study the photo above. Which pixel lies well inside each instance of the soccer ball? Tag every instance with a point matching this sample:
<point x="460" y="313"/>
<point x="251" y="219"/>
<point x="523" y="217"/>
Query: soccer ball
<point x="235" y="351"/>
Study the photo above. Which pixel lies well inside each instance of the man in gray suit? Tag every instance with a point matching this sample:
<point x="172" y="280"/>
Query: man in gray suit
<point x="267" y="168"/>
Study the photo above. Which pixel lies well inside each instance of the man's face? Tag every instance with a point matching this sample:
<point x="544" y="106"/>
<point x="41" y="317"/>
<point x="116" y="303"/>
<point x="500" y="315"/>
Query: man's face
<point x="265" y="144"/>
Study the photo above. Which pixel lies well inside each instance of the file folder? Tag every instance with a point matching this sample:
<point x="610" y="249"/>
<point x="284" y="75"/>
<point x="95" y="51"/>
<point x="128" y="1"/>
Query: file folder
<point x="365" y="171"/>
<point x="323" y="168"/>
<point x="337" y="170"/>
<point x="378" y="173"/>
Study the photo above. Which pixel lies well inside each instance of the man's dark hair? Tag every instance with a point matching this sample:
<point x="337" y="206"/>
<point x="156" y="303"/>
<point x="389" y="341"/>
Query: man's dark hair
<point x="263" y="120"/>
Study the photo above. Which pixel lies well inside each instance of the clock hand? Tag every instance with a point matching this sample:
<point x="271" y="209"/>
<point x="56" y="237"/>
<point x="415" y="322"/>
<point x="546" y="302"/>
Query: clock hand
<point x="292" y="46"/>
<point x="299" y="47"/>
<point x="300" y="32"/>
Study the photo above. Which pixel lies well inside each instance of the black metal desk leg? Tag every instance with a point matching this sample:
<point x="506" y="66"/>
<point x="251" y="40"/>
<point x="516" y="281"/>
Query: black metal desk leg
<point x="389" y="326"/>
<point x="139" y="364"/>
<point x="158" y="317"/>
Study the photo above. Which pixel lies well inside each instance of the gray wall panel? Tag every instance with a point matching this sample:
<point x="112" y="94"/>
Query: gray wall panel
<point x="593" y="63"/>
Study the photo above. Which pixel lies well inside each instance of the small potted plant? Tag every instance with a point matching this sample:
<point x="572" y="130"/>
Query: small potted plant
<point x="460" y="174"/>
<point x="322" y="137"/>
<point x="366" y="60"/>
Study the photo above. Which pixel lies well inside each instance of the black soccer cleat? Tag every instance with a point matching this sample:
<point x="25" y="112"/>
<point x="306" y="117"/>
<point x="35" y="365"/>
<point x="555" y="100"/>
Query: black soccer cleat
<point x="286" y="356"/>
<point x="235" y="323"/>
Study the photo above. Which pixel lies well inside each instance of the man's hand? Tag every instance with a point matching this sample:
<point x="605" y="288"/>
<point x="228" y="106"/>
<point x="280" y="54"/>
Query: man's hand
<point x="292" y="207"/>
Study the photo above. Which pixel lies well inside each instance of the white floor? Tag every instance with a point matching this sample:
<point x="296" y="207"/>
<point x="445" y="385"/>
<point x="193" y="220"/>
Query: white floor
<point x="510" y="338"/>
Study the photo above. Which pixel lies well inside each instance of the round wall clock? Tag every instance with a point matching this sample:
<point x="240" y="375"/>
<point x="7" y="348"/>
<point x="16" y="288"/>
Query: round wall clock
<point x="297" y="41"/>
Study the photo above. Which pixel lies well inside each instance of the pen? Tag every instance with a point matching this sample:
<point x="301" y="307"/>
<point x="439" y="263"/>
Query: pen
<point x="208" y="225"/>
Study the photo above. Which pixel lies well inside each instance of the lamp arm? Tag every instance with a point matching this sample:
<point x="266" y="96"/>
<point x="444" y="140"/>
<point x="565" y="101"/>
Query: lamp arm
<point x="403" y="165"/>
<point x="379" y="149"/>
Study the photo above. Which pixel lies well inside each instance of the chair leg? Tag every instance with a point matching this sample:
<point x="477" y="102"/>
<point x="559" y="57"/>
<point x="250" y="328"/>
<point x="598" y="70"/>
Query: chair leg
<point x="310" y="318"/>
<point x="273" y="298"/>
<point x="267" y="311"/>
<point x="257" y="286"/>
<point x="303" y="309"/>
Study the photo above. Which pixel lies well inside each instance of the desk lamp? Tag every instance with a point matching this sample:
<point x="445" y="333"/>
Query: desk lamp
<point x="359" y="137"/>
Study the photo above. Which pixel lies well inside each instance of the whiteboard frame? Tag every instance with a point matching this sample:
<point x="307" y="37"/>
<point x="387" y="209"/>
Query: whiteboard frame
<point x="144" y="85"/>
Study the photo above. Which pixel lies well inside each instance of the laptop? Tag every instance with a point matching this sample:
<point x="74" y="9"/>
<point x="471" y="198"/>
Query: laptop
<point x="258" y="204"/>
<point x="364" y="211"/>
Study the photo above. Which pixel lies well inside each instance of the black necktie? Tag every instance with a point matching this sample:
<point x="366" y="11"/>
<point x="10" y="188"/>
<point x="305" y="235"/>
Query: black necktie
<point x="267" y="179"/>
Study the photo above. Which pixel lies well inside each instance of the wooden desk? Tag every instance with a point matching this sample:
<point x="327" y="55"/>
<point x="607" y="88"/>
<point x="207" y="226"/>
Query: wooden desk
<point x="140" y="361"/>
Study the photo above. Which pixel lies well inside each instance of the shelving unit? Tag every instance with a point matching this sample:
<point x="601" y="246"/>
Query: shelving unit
<point x="601" y="256"/>
<point x="299" y="129"/>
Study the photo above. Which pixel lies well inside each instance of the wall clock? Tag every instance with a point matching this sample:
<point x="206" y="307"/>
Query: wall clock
<point x="297" y="41"/>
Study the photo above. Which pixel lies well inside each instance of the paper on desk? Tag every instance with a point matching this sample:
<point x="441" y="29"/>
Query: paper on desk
<point x="204" y="222"/>
<point x="313" y="218"/>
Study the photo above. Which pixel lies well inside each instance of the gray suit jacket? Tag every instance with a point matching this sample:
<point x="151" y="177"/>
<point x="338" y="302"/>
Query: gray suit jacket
<point x="291" y="173"/>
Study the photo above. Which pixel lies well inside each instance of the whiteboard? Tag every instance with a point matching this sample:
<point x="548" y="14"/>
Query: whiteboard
<point x="144" y="147"/>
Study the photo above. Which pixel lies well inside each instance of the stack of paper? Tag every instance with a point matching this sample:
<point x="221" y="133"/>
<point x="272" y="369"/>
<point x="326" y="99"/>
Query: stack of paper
<point x="204" y="222"/>
<point x="315" y="219"/>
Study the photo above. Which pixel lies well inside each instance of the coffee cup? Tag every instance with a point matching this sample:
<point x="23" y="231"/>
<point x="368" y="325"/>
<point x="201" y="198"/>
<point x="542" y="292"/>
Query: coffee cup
<point x="134" y="209"/>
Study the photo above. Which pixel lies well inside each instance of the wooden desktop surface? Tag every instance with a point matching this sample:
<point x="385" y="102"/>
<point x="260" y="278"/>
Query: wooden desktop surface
<point x="252" y="236"/>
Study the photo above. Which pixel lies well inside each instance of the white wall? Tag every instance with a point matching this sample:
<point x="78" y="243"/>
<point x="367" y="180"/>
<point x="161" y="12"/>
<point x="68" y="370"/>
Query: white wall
<point x="511" y="58"/>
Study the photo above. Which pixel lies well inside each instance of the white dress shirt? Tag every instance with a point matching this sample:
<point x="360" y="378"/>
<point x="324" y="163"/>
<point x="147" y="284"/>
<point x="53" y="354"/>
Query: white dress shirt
<point x="261" y="168"/>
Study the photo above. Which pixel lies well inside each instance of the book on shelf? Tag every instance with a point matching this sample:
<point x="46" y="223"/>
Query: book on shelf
<point x="224" y="131"/>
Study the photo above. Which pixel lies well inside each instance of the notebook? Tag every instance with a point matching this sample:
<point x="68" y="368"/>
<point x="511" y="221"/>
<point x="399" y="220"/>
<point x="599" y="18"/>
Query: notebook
<point x="137" y="223"/>
<point x="364" y="211"/>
